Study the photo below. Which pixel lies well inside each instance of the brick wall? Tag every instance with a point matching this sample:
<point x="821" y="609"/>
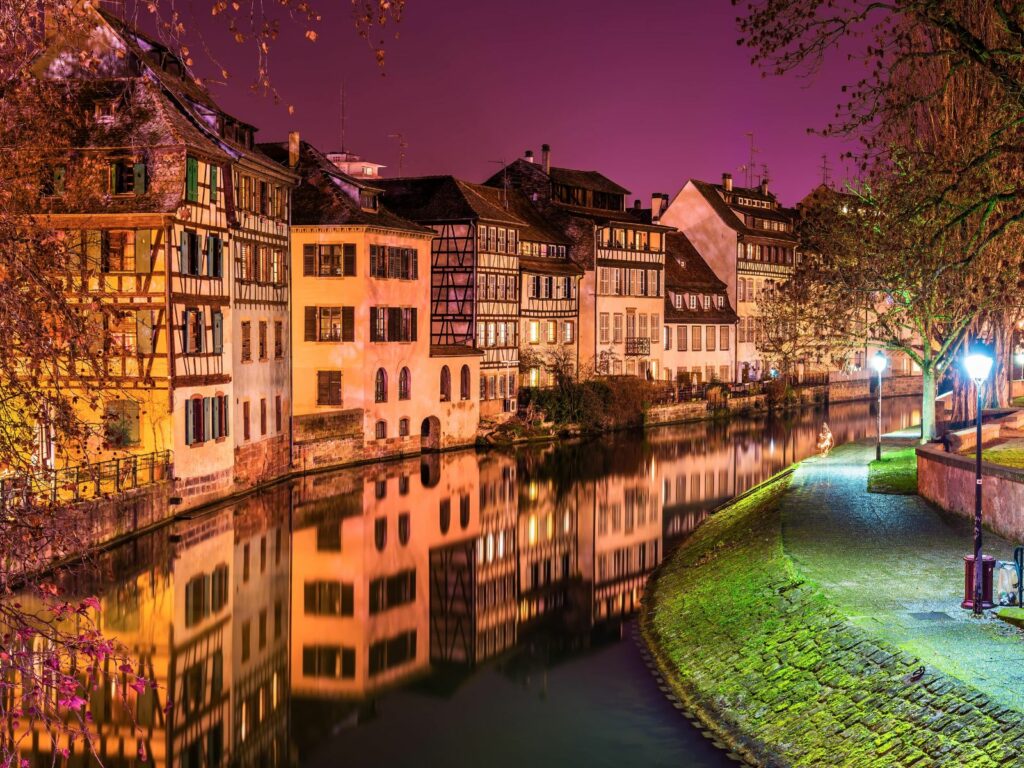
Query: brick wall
<point x="261" y="462"/>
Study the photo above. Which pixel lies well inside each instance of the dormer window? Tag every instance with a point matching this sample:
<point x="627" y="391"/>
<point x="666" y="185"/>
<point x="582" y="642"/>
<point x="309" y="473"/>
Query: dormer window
<point x="693" y="301"/>
<point x="367" y="200"/>
<point x="678" y="300"/>
<point x="707" y="302"/>
<point x="105" y="110"/>
<point x="127" y="177"/>
<point x="719" y="302"/>
<point x="367" y="170"/>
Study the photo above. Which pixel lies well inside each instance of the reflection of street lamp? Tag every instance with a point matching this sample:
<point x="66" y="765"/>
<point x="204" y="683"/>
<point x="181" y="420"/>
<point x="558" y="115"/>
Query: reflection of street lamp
<point x="878" y="362"/>
<point x="978" y="367"/>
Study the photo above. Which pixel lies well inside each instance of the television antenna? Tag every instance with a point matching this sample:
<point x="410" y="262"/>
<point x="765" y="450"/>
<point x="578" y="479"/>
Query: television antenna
<point x="402" y="146"/>
<point x="750" y="164"/>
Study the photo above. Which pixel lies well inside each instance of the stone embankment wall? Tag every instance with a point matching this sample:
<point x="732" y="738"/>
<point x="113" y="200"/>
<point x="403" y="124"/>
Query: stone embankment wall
<point x="948" y="480"/>
<point x="843" y="389"/>
<point x="126" y="514"/>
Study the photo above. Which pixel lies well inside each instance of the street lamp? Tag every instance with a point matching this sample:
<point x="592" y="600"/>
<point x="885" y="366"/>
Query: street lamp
<point x="978" y="367"/>
<point x="878" y="362"/>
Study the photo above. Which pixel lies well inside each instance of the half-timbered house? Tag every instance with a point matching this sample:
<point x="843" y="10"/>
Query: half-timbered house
<point x="184" y="180"/>
<point x="747" y="237"/>
<point x="622" y="255"/>
<point x="700" y="323"/>
<point x="367" y="381"/>
<point x="474" y="275"/>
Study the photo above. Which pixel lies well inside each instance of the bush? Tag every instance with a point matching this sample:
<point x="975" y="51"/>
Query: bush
<point x="597" y="404"/>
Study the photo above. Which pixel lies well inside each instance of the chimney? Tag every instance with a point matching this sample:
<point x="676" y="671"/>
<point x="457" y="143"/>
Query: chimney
<point x="293" y="150"/>
<point x="727" y="181"/>
<point x="545" y="157"/>
<point x="636" y="204"/>
<point x="528" y="156"/>
<point x="764" y="186"/>
<point x="659" y="202"/>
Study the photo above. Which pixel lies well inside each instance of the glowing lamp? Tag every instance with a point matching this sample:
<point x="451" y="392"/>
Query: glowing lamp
<point x="978" y="366"/>
<point x="878" y="362"/>
<point x="1019" y="358"/>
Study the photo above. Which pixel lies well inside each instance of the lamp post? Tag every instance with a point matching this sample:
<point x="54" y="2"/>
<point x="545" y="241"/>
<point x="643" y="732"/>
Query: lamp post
<point x="878" y="362"/>
<point x="978" y="367"/>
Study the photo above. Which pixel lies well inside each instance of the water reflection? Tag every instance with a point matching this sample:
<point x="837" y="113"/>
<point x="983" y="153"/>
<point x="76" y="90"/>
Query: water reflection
<point x="279" y="624"/>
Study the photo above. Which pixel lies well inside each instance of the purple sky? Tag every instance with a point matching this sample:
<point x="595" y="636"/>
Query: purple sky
<point x="650" y="93"/>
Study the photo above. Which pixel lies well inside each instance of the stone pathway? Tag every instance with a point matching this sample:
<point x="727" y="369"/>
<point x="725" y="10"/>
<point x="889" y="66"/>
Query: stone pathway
<point x="893" y="565"/>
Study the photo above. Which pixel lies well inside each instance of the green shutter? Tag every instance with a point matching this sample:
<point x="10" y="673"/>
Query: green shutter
<point x="143" y="251"/>
<point x="59" y="174"/>
<point x="214" y="418"/>
<point x="213" y="183"/>
<point x="218" y="332"/>
<point x="226" y="421"/>
<point x="139" y="173"/>
<point x="201" y="346"/>
<point x="207" y="417"/>
<point x="191" y="179"/>
<point x="189" y="437"/>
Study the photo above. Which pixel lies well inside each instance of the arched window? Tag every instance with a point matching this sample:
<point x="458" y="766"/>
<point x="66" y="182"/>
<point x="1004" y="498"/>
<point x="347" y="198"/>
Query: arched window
<point x="464" y="511"/>
<point x="464" y="383"/>
<point x="445" y="513"/>
<point x="446" y="384"/>
<point x="381" y="430"/>
<point x="380" y="387"/>
<point x="404" y="384"/>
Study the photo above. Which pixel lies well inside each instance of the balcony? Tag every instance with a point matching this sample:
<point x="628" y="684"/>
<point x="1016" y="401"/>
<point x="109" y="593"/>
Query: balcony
<point x="638" y="346"/>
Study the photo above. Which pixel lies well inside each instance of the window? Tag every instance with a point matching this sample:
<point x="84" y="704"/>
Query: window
<point x="118" y="251"/>
<point x="127" y="177"/>
<point x="206" y="418"/>
<point x="709" y="340"/>
<point x="696" y="345"/>
<point x="445" y="515"/>
<point x="604" y="328"/>
<point x="617" y="328"/>
<point x="190" y="255"/>
<point x="263" y="415"/>
<point x="681" y="338"/>
<point x="568" y="332"/>
<point x="328" y="598"/>
<point x="393" y="323"/>
<point x="277" y="413"/>
<point x="464" y="383"/>
<point x="403" y="427"/>
<point x="552" y="332"/>
<point x="380" y="533"/>
<point x="329" y="661"/>
<point x="655" y="327"/>
<point x="393" y="591"/>
<point x="381" y="430"/>
<point x="329" y="324"/>
<point x="446" y="384"/>
<point x="328" y="387"/>
<point x="191" y="179"/>
<point x="328" y="537"/>
<point x="393" y="262"/>
<point x="723" y="336"/>
<point x="263" y="340"/>
<point x="278" y="339"/>
<point x="404" y="384"/>
<point x="194" y="332"/>
<point x="387" y="654"/>
<point x="332" y="260"/>
<point x="534" y="332"/>
<point x="246" y="420"/>
<point x="246" y="633"/>
<point x="380" y="386"/>
<point x="246" y="341"/>
<point x="464" y="503"/>
<point x="121" y="423"/>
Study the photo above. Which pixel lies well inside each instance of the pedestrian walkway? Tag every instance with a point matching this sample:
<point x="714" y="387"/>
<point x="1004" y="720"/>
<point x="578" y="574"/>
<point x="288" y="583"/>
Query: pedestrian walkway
<point x="893" y="565"/>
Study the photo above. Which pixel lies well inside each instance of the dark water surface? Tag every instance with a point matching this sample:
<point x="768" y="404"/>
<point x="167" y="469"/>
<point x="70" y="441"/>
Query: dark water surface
<point x="455" y="610"/>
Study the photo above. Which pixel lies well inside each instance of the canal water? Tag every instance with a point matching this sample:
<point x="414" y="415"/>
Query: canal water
<point x="463" y="609"/>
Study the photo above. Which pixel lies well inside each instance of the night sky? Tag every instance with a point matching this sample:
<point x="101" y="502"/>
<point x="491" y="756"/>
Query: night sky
<point x="650" y="93"/>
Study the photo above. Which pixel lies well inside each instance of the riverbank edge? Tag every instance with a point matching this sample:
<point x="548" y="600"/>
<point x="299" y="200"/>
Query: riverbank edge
<point x="780" y="677"/>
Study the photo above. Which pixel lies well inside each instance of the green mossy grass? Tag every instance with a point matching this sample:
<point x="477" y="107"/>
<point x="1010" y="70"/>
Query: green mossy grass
<point x="762" y="657"/>
<point x="1007" y="457"/>
<point x="895" y="472"/>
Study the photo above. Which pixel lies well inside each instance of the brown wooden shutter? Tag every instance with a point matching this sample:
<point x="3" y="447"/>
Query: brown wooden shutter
<point x="394" y="324"/>
<point x="310" y="334"/>
<point x="349" y="266"/>
<point x="348" y="323"/>
<point x="414" y="323"/>
<point x="309" y="260"/>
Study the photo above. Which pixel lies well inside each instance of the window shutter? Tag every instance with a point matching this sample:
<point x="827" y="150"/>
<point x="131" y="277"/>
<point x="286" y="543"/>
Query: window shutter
<point x="322" y="388"/>
<point x="112" y="180"/>
<point x="189" y="437"/>
<point x="414" y="324"/>
<point x="201" y="337"/>
<point x="349" y="266"/>
<point x="214" y="418"/>
<point x="143" y="251"/>
<point x="59" y="175"/>
<point x="139" y="173"/>
<point x="144" y="331"/>
<point x="310" y="332"/>
<point x="185" y="317"/>
<point x="218" y="332"/>
<point x="207" y="416"/>
<point x="226" y="421"/>
<point x="183" y="252"/>
<point x="394" y="324"/>
<point x="348" y="323"/>
<point x="373" y="324"/>
<point x="309" y="260"/>
<point x="218" y="261"/>
<point x="191" y="179"/>
<point x="415" y="264"/>
<point x="213" y="183"/>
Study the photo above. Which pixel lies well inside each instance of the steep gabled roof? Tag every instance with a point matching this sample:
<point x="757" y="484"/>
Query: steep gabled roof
<point x="687" y="272"/>
<point x="324" y="193"/>
<point x="445" y="198"/>
<point x="729" y="216"/>
<point x="586" y="180"/>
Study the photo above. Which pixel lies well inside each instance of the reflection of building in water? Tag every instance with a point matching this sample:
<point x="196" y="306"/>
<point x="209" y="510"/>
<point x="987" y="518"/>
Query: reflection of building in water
<point x="398" y="566"/>
<point x="179" y="618"/>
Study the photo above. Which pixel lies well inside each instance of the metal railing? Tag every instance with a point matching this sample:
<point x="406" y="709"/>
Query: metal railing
<point x="638" y="346"/>
<point x="87" y="481"/>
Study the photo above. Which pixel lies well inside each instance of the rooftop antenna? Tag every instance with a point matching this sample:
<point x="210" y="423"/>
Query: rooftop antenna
<point x="343" y="149"/>
<point x="402" y="146"/>
<point x="826" y="177"/>
<point x="750" y="164"/>
<point x="764" y="172"/>
<point x="504" y="181"/>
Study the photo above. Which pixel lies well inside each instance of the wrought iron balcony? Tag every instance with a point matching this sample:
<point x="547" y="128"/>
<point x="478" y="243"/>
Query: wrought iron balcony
<point x="637" y="346"/>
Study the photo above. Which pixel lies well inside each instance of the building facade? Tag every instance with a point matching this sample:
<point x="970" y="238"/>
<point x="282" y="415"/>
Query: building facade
<point x="367" y="381"/>
<point x="747" y="237"/>
<point x="621" y="253"/>
<point x="700" y="324"/>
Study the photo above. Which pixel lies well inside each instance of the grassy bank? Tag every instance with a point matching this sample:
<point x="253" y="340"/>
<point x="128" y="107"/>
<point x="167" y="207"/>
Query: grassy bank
<point x="779" y="675"/>
<point x="895" y="472"/>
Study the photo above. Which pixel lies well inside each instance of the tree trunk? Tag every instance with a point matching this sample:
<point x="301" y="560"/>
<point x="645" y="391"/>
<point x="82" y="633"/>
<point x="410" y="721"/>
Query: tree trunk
<point x="927" y="404"/>
<point x="1003" y="333"/>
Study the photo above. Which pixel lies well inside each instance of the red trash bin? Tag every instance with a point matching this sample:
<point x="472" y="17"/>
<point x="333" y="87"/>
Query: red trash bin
<point x="988" y="565"/>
